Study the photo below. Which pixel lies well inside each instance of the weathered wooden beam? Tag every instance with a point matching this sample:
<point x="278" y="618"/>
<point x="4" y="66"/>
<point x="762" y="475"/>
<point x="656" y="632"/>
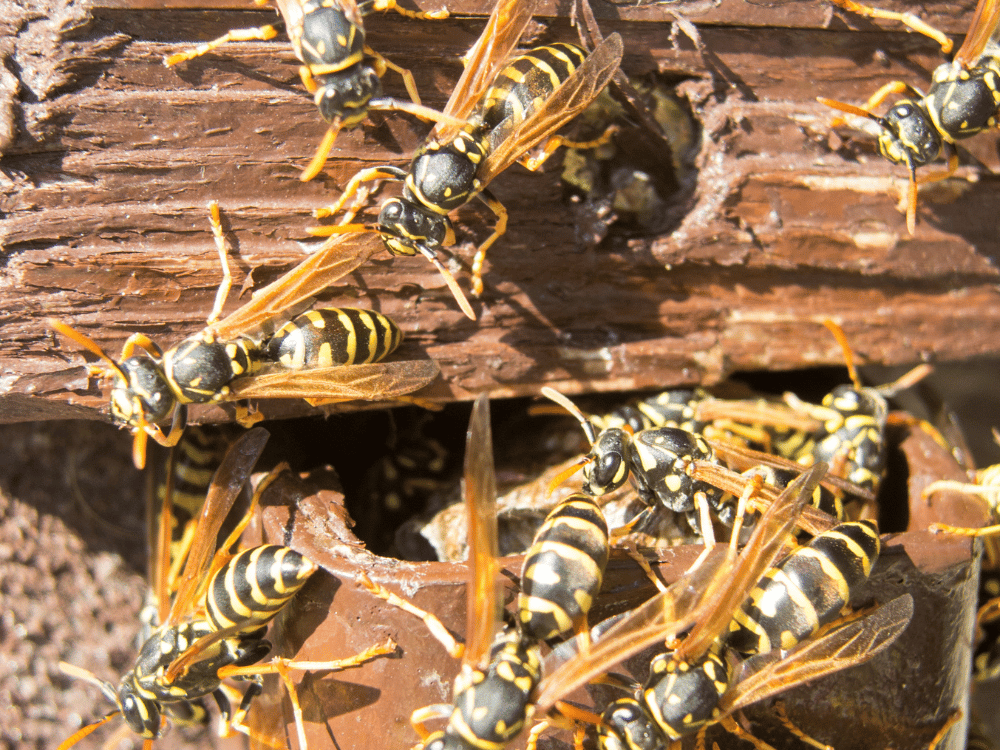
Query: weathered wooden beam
<point x="110" y="159"/>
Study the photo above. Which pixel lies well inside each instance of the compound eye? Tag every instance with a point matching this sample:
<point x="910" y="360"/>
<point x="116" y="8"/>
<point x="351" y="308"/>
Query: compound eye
<point x="605" y="470"/>
<point x="142" y="716"/>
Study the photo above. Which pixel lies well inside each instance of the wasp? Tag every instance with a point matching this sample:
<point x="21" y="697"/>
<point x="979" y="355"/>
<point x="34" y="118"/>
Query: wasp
<point x="962" y="101"/>
<point x="691" y="687"/>
<point x="305" y="359"/>
<point x="675" y="469"/>
<point x="341" y="72"/>
<point x="493" y="692"/>
<point x="213" y="627"/>
<point x="506" y="106"/>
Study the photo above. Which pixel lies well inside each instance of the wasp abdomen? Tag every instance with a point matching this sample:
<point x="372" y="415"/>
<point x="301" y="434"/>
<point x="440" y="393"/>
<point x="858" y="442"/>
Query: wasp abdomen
<point x="564" y="568"/>
<point x="254" y="585"/>
<point x="332" y="337"/>
<point x="806" y="590"/>
<point x="524" y="84"/>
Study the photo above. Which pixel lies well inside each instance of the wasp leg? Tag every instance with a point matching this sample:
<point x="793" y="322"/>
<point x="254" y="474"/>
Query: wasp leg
<point x="730" y="725"/>
<point x="434" y="625"/>
<point x="433" y="15"/>
<point x="907" y="19"/>
<point x="382" y="64"/>
<point x="989" y="493"/>
<point x="642" y="562"/>
<point x="215" y="219"/>
<point x="944" y="528"/>
<point x="140" y="341"/>
<point x="259" y="34"/>
<point x="420" y="717"/>
<point x="535" y="162"/>
<point x="283" y="667"/>
<point x="365" y="175"/>
<point x="779" y="710"/>
<point x="498" y="231"/>
<point x="953" y="718"/>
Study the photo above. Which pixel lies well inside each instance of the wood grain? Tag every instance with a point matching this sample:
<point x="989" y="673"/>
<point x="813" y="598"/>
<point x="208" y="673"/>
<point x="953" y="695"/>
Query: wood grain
<point x="109" y="160"/>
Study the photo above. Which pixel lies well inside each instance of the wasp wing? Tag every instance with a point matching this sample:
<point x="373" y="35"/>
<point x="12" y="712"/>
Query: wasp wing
<point x="846" y="646"/>
<point x="758" y="555"/>
<point x="707" y="595"/>
<point x="567" y="101"/>
<point x="491" y="50"/>
<point x="746" y="458"/>
<point x="381" y="381"/>
<point x="483" y="608"/>
<point x="336" y="258"/>
<point x="982" y="31"/>
<point x="233" y="473"/>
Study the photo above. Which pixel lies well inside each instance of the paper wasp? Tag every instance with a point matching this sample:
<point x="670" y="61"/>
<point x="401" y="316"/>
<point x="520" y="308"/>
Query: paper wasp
<point x="224" y="363"/>
<point x="506" y="107"/>
<point x="678" y="470"/>
<point x="963" y="99"/>
<point x="212" y="618"/>
<point x="341" y="72"/>
<point x="691" y="687"/>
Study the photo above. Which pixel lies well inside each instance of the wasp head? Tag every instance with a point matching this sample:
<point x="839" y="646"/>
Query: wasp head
<point x="408" y="228"/>
<point x="344" y="95"/>
<point x="143" y="396"/>
<point x="610" y="465"/>
<point x="908" y="135"/>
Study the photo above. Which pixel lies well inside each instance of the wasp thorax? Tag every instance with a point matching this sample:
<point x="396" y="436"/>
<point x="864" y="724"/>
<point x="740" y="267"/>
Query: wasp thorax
<point x="145" y="396"/>
<point x="444" y="174"/>
<point x="406" y="227"/>
<point x="909" y="136"/>
<point x="345" y="94"/>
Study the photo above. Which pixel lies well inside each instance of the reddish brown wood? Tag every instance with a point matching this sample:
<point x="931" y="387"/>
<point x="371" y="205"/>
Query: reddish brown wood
<point x="110" y="159"/>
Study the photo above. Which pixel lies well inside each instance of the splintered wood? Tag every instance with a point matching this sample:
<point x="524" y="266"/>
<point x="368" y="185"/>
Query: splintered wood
<point x="110" y="159"/>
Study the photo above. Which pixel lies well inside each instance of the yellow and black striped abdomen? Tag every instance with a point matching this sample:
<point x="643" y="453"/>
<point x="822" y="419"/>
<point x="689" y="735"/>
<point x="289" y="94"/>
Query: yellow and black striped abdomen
<point x="523" y="84"/>
<point x="563" y="569"/>
<point x="254" y="585"/>
<point x="332" y="337"/>
<point x="806" y="590"/>
<point x="199" y="453"/>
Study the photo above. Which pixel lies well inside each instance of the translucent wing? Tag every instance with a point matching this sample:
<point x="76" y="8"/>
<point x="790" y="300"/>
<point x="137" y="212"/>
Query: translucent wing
<point x="765" y="543"/>
<point x="491" y="50"/>
<point x="226" y="485"/>
<point x="846" y="646"/>
<point x="567" y="101"/>
<point x="746" y="458"/>
<point x="483" y="609"/>
<point x="707" y="596"/>
<point x="382" y="381"/>
<point x="337" y="257"/>
<point x="981" y="32"/>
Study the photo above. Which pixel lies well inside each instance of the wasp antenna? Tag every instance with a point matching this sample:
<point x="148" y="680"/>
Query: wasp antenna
<point x="456" y="290"/>
<point x="838" y="333"/>
<point x="906" y="380"/>
<point x="568" y="472"/>
<point x="334" y="229"/>
<point x="85" y="731"/>
<point x="911" y="200"/>
<point x="88" y="344"/>
<point x="588" y="426"/>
